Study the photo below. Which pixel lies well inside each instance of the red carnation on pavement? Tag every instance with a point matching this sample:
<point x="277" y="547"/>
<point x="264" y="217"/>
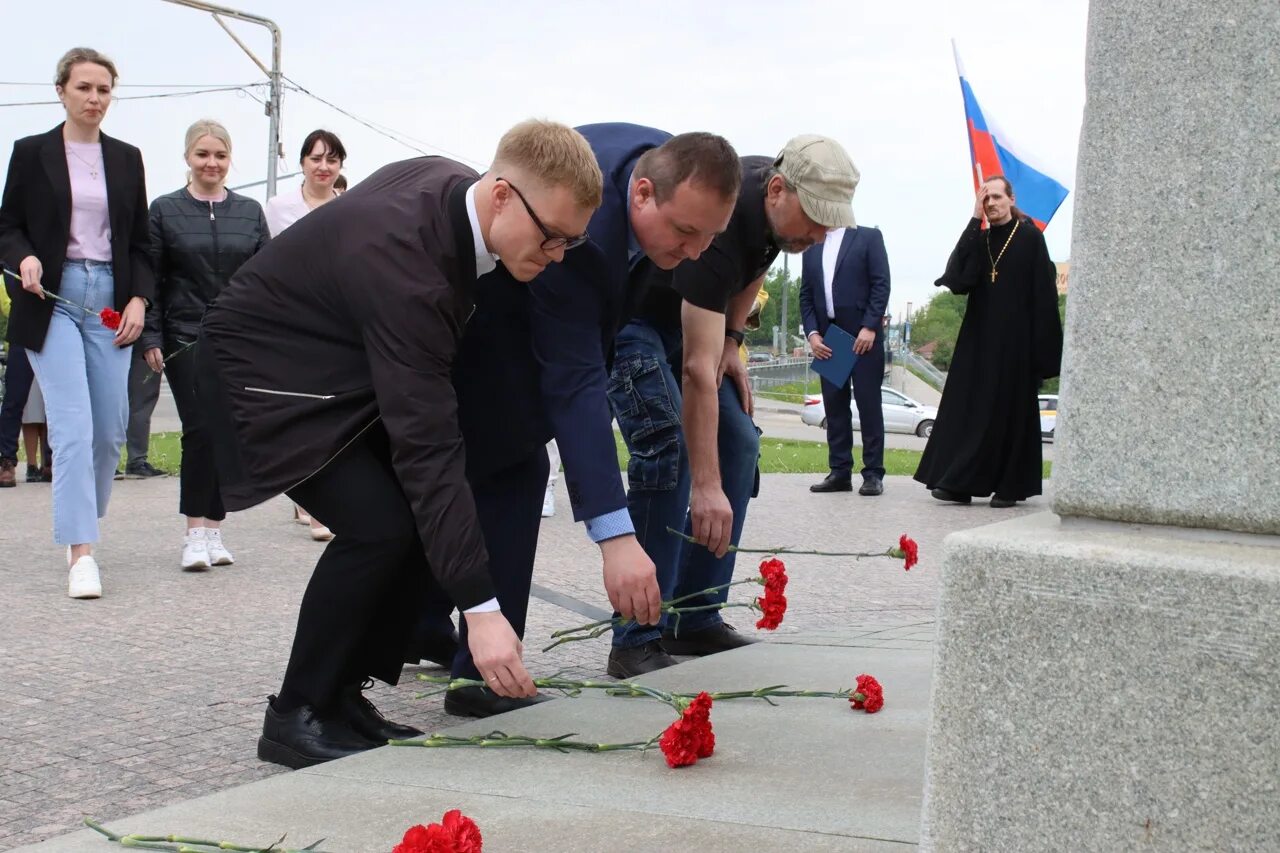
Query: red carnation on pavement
<point x="774" y="572"/>
<point x="465" y="833"/>
<point x="110" y="318"/>
<point x="910" y="550"/>
<point x="690" y="737"/>
<point x="699" y="712"/>
<point x="426" y="839"/>
<point x="773" y="606"/>
<point x="872" y="695"/>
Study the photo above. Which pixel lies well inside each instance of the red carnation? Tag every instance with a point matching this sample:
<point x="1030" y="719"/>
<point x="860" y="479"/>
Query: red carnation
<point x="465" y="833"/>
<point x="426" y="839"/>
<point x="774" y="572"/>
<point x="910" y="550"/>
<point x="680" y="743"/>
<point x="699" y="713"/>
<point x="773" y="606"/>
<point x="110" y="318"/>
<point x="871" y="692"/>
<point x="690" y="737"/>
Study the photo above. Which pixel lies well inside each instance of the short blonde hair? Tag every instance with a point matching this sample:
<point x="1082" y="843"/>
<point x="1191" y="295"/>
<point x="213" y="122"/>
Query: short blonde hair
<point x="554" y="155"/>
<point x="202" y="128"/>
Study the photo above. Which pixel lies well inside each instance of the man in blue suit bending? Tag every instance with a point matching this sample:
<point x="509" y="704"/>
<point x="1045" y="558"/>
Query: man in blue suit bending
<point x="845" y="282"/>
<point x="534" y="362"/>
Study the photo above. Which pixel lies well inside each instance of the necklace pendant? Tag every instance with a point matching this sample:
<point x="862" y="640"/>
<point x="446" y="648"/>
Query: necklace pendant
<point x="993" y="276"/>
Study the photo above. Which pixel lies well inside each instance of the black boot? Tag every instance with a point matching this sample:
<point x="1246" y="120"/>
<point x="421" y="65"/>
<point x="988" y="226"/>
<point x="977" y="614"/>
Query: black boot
<point x="302" y="738"/>
<point x="719" y="637"/>
<point x="637" y="660"/>
<point x="483" y="702"/>
<point x="950" y="496"/>
<point x="367" y="720"/>
<point x="834" y="483"/>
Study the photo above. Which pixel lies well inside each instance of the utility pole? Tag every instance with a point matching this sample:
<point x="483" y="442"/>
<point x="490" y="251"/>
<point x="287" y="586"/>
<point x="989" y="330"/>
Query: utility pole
<point x="786" y="290"/>
<point x="274" y="153"/>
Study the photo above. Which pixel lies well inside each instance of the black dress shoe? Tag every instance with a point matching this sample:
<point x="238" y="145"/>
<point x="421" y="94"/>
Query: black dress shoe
<point x="637" y="660"/>
<point x="439" y="649"/>
<point x="706" y="641"/>
<point x="871" y="486"/>
<point x="1001" y="503"/>
<point x="953" y="497"/>
<point x="483" y="702"/>
<point x="367" y="720"/>
<point x="833" y="483"/>
<point x="302" y="738"/>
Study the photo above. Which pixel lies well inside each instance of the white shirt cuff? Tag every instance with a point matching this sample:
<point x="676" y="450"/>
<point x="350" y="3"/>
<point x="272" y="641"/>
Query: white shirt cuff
<point x="490" y="606"/>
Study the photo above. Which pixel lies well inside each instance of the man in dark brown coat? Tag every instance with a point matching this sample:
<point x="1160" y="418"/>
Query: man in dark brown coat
<point x="331" y="353"/>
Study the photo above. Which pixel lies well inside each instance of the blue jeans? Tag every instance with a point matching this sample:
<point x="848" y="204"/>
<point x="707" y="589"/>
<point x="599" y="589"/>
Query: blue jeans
<point x="644" y="394"/>
<point x="17" y="386"/>
<point x="84" y="377"/>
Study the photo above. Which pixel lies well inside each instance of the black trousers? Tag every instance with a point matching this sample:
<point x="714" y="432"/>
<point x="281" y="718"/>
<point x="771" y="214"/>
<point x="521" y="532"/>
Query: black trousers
<point x="18" y="377"/>
<point x="509" y="507"/>
<point x="199" y="496"/>
<point x="868" y="374"/>
<point x="371" y="584"/>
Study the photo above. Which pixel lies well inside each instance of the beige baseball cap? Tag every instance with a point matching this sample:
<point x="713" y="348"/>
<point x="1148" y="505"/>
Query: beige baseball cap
<point x="824" y="177"/>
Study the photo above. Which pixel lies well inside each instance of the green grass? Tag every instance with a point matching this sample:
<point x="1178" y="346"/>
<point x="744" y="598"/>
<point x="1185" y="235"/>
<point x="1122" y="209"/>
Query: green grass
<point x="777" y="456"/>
<point x="792" y="392"/>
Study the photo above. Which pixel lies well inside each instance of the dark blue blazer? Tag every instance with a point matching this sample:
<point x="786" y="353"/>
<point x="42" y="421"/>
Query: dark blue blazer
<point x="859" y="288"/>
<point x="533" y="362"/>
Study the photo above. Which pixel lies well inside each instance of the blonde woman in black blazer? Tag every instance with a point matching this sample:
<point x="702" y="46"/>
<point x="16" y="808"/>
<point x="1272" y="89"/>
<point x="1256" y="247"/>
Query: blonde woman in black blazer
<point x="73" y="222"/>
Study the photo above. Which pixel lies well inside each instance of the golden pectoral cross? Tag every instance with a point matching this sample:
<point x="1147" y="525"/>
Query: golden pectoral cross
<point x="993" y="276"/>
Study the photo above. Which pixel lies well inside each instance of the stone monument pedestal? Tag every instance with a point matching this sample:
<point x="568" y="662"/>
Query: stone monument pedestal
<point x="1101" y="685"/>
<point x="1104" y="681"/>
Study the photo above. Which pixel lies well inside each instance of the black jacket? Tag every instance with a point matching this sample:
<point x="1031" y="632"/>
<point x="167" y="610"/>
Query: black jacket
<point x="195" y="247"/>
<point x="35" y="219"/>
<point x="349" y="317"/>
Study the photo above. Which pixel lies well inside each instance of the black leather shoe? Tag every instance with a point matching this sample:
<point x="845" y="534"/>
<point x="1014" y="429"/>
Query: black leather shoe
<point x="1001" y="503"/>
<point x="706" y="641"/>
<point x="953" y="497"/>
<point x="871" y="486"/>
<point x="833" y="483"/>
<point x="302" y="738"/>
<point x="637" y="660"/>
<point x="483" y="702"/>
<point x="367" y="720"/>
<point x="440" y="650"/>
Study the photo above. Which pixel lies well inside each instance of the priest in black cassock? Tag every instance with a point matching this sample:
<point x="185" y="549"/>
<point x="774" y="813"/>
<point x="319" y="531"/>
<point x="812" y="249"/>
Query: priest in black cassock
<point x="986" y="440"/>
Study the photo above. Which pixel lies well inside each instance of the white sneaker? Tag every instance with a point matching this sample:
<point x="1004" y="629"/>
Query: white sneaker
<point x="218" y="555"/>
<point x="83" y="580"/>
<point x="549" y="504"/>
<point x="195" y="550"/>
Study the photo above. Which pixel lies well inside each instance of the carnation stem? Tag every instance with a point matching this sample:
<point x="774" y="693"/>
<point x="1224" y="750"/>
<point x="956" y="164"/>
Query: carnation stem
<point x="786" y="550"/>
<point x="182" y="843"/>
<point x="499" y="740"/>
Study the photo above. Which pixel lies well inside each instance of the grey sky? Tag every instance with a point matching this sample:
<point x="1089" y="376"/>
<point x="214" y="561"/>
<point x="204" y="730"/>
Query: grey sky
<point x="877" y="76"/>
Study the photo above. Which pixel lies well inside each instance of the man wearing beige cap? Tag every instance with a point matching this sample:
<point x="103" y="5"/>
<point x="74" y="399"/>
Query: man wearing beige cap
<point x="693" y="444"/>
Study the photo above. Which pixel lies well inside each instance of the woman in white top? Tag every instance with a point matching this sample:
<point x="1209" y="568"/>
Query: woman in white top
<point x="321" y="160"/>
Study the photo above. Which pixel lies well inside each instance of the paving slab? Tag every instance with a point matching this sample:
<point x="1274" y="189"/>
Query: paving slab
<point x="806" y="774"/>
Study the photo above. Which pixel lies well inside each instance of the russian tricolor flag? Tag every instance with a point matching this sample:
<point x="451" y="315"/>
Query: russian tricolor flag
<point x="991" y="152"/>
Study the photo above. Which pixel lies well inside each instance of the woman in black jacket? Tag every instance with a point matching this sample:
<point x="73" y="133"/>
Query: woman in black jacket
<point x="73" y="233"/>
<point x="200" y="235"/>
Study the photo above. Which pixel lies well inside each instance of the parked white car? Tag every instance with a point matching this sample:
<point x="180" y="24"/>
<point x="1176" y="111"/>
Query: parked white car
<point x="901" y="413"/>
<point x="1048" y="415"/>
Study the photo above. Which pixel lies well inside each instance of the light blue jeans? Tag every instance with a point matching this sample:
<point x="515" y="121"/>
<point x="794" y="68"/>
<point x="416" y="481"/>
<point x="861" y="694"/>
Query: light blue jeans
<point x="85" y="380"/>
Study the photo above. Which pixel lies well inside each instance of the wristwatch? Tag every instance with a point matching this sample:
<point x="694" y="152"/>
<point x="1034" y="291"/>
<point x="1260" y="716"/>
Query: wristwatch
<point x="738" y="336"/>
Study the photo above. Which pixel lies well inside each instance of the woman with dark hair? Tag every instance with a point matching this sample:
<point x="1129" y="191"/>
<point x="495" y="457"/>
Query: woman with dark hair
<point x="200" y="235"/>
<point x="73" y="227"/>
<point x="321" y="160"/>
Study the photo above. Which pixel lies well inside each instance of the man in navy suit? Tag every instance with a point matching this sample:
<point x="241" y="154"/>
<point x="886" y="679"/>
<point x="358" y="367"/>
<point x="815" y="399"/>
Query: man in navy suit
<point x="533" y="364"/>
<point x="845" y="282"/>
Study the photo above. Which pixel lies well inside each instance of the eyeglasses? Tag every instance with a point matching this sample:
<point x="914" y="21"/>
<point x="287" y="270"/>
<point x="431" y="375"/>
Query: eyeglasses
<point x="553" y="241"/>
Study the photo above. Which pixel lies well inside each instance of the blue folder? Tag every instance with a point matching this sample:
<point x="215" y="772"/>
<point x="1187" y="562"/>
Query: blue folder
<point x="836" y="369"/>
